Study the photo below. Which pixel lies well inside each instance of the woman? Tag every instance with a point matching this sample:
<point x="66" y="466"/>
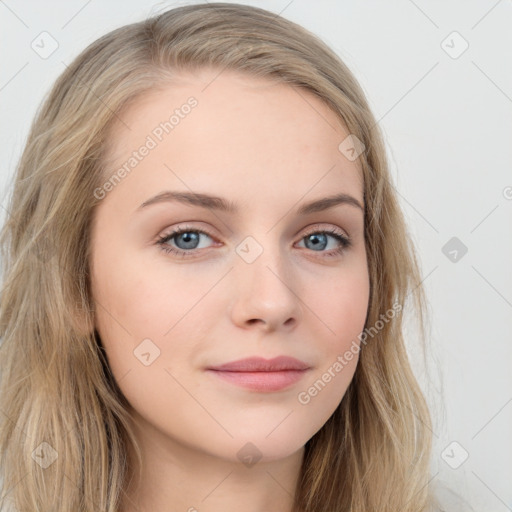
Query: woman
<point x="205" y="267"/>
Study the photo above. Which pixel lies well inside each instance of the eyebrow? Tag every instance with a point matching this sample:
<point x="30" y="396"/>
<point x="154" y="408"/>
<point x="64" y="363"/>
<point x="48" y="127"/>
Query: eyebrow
<point x="220" y="204"/>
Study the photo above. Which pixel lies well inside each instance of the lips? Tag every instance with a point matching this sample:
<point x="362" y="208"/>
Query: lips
<point x="262" y="375"/>
<point x="259" y="364"/>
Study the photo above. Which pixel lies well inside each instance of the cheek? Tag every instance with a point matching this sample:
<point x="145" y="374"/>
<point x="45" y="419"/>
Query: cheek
<point x="144" y="300"/>
<point x="136" y="303"/>
<point x="341" y="306"/>
<point x="342" y="311"/>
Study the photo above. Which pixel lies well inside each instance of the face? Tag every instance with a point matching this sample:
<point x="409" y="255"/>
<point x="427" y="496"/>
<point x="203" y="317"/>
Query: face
<point x="184" y="284"/>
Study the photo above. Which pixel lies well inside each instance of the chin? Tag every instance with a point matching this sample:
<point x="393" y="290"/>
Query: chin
<point x="263" y="447"/>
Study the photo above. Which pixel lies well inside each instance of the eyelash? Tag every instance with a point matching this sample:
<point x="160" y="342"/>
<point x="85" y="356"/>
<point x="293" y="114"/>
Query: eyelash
<point x="345" y="242"/>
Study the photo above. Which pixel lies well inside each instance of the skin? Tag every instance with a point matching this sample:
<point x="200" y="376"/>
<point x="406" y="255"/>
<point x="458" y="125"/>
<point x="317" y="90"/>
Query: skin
<point x="270" y="150"/>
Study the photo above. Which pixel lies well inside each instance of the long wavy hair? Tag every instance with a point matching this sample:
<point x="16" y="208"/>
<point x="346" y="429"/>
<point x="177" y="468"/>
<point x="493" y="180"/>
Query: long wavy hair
<point x="58" y="398"/>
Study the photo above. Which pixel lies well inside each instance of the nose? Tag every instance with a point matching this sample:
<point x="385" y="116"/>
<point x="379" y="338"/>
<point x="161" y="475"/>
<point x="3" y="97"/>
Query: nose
<point x="264" y="293"/>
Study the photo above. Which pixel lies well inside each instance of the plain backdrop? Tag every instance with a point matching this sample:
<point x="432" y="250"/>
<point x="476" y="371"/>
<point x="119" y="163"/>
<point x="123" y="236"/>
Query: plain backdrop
<point x="439" y="81"/>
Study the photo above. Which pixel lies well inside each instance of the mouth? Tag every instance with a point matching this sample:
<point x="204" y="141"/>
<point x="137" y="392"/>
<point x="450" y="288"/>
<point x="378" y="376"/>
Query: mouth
<point x="264" y="375"/>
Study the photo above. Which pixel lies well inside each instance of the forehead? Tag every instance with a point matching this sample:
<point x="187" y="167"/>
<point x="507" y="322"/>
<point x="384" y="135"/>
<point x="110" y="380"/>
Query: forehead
<point x="241" y="131"/>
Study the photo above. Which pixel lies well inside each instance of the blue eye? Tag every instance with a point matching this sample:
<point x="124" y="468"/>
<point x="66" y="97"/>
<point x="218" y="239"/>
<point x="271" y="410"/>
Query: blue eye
<point x="320" y="239"/>
<point x="187" y="239"/>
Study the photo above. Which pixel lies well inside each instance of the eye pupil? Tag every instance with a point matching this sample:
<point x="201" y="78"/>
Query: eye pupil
<point x="316" y="242"/>
<point x="189" y="238"/>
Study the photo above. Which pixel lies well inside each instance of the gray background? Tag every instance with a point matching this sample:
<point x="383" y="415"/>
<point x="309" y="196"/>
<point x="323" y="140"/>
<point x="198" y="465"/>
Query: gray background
<point x="446" y="116"/>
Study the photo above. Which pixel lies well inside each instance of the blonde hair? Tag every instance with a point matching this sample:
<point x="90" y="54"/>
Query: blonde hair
<point x="372" y="454"/>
